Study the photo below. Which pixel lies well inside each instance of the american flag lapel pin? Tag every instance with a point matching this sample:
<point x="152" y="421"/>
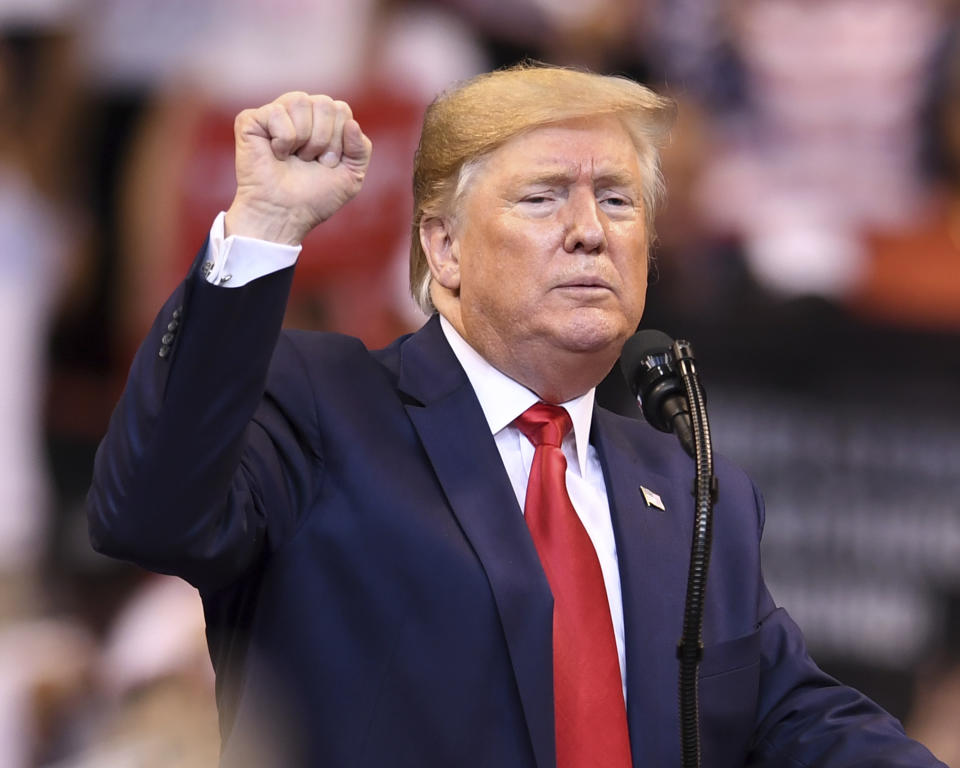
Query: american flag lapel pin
<point x="652" y="499"/>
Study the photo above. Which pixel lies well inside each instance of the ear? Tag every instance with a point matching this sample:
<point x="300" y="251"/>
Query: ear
<point x="442" y="251"/>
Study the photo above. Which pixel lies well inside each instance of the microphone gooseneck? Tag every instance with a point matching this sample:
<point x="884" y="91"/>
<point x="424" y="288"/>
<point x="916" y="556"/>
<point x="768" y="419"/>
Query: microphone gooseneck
<point x="663" y="375"/>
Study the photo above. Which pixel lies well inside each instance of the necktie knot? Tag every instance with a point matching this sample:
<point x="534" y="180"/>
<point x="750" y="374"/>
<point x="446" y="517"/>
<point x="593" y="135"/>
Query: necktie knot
<point x="544" y="424"/>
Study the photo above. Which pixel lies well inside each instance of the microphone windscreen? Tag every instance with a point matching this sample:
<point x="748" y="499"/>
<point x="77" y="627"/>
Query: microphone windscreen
<point x="643" y="348"/>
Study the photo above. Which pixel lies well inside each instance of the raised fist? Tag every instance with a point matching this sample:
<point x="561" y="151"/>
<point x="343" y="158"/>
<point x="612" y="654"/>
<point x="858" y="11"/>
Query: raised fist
<point x="299" y="160"/>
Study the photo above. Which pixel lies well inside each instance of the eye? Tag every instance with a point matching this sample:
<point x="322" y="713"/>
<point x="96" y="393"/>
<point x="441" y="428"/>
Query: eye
<point x="538" y="199"/>
<point x="617" y="204"/>
<point x="616" y="201"/>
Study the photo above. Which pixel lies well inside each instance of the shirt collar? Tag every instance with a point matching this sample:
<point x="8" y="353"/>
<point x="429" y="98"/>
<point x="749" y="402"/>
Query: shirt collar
<point x="503" y="399"/>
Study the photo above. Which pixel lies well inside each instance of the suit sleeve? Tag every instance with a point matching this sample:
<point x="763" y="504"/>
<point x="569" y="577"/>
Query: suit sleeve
<point x="807" y="718"/>
<point x="216" y="420"/>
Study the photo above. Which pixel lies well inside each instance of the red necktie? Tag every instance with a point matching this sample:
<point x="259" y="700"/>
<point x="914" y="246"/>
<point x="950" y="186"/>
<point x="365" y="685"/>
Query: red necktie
<point x="591" y="718"/>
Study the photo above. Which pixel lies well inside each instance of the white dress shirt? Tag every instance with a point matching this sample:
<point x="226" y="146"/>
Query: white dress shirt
<point x="234" y="261"/>
<point x="503" y="400"/>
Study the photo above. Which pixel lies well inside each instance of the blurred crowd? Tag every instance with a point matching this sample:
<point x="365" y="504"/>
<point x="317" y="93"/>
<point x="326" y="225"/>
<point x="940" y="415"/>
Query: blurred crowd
<point x="810" y="249"/>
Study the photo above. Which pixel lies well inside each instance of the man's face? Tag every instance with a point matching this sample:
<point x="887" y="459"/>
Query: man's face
<point x="551" y="244"/>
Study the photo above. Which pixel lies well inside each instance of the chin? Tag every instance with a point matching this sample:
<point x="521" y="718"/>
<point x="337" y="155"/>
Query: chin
<point x="593" y="335"/>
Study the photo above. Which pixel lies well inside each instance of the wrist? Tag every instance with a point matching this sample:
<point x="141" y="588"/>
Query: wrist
<point x="272" y="223"/>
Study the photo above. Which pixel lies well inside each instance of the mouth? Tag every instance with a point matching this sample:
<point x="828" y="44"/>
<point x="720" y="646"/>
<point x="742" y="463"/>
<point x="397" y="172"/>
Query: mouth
<point x="586" y="282"/>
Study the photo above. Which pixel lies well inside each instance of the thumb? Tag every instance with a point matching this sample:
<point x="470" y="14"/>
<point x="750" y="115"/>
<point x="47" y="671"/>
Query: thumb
<point x="357" y="148"/>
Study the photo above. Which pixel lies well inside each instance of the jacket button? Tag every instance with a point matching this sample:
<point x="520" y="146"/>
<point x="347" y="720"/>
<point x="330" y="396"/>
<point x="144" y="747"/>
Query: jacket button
<point x="164" y="351"/>
<point x="177" y="313"/>
<point x="172" y="326"/>
<point x="167" y="339"/>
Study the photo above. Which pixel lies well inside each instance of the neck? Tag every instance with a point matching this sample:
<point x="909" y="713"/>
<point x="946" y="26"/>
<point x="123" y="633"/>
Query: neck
<point x="570" y="375"/>
<point x="554" y="374"/>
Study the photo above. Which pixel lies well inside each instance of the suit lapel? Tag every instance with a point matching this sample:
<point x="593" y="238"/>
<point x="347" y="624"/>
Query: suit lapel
<point x="653" y="552"/>
<point x="456" y="437"/>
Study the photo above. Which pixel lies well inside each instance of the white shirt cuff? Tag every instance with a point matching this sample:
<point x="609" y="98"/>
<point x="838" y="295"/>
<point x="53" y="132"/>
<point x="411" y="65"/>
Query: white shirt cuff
<point x="234" y="261"/>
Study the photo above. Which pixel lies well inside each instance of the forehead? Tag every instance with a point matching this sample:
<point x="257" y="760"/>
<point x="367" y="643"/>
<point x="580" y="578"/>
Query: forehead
<point x="596" y="146"/>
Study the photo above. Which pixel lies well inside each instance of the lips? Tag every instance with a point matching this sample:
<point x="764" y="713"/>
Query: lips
<point x="586" y="281"/>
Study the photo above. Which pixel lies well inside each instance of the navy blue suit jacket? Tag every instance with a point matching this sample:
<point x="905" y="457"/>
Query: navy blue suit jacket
<point x="373" y="597"/>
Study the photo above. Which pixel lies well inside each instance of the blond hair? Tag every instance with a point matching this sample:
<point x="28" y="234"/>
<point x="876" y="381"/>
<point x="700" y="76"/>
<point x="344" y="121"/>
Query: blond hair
<point x="466" y="123"/>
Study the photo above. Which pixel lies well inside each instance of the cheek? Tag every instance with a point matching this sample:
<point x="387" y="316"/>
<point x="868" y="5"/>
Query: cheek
<point x="641" y="277"/>
<point x="635" y="284"/>
<point x="637" y="308"/>
<point x="524" y="236"/>
<point x="640" y="290"/>
<point x="511" y="263"/>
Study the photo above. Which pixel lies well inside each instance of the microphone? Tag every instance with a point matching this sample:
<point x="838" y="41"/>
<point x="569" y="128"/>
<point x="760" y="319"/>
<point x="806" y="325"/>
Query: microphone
<point x="648" y="363"/>
<point x="663" y="375"/>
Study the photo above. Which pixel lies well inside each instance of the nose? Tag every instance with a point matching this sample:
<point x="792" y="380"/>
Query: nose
<point x="584" y="228"/>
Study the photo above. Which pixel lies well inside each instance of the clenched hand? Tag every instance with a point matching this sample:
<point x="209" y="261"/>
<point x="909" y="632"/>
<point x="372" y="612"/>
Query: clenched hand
<point x="299" y="159"/>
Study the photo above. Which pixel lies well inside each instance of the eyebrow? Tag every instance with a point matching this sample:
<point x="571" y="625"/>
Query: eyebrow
<point x="551" y="177"/>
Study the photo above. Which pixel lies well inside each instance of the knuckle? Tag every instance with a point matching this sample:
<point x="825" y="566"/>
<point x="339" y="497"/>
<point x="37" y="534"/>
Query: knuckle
<point x="344" y="108"/>
<point x="323" y="105"/>
<point x="293" y="103"/>
<point x="243" y="118"/>
<point x="293" y="96"/>
<point x="273" y="111"/>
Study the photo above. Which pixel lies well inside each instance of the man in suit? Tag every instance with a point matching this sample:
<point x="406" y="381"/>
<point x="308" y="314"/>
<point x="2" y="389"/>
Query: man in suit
<point x="443" y="553"/>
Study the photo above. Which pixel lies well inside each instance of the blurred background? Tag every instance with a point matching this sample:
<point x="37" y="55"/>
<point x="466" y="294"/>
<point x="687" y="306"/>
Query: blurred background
<point x="810" y="249"/>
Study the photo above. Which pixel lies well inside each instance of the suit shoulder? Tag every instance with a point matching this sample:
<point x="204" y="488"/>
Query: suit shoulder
<point x="336" y="357"/>
<point x="323" y="345"/>
<point x="330" y="345"/>
<point x="661" y="453"/>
